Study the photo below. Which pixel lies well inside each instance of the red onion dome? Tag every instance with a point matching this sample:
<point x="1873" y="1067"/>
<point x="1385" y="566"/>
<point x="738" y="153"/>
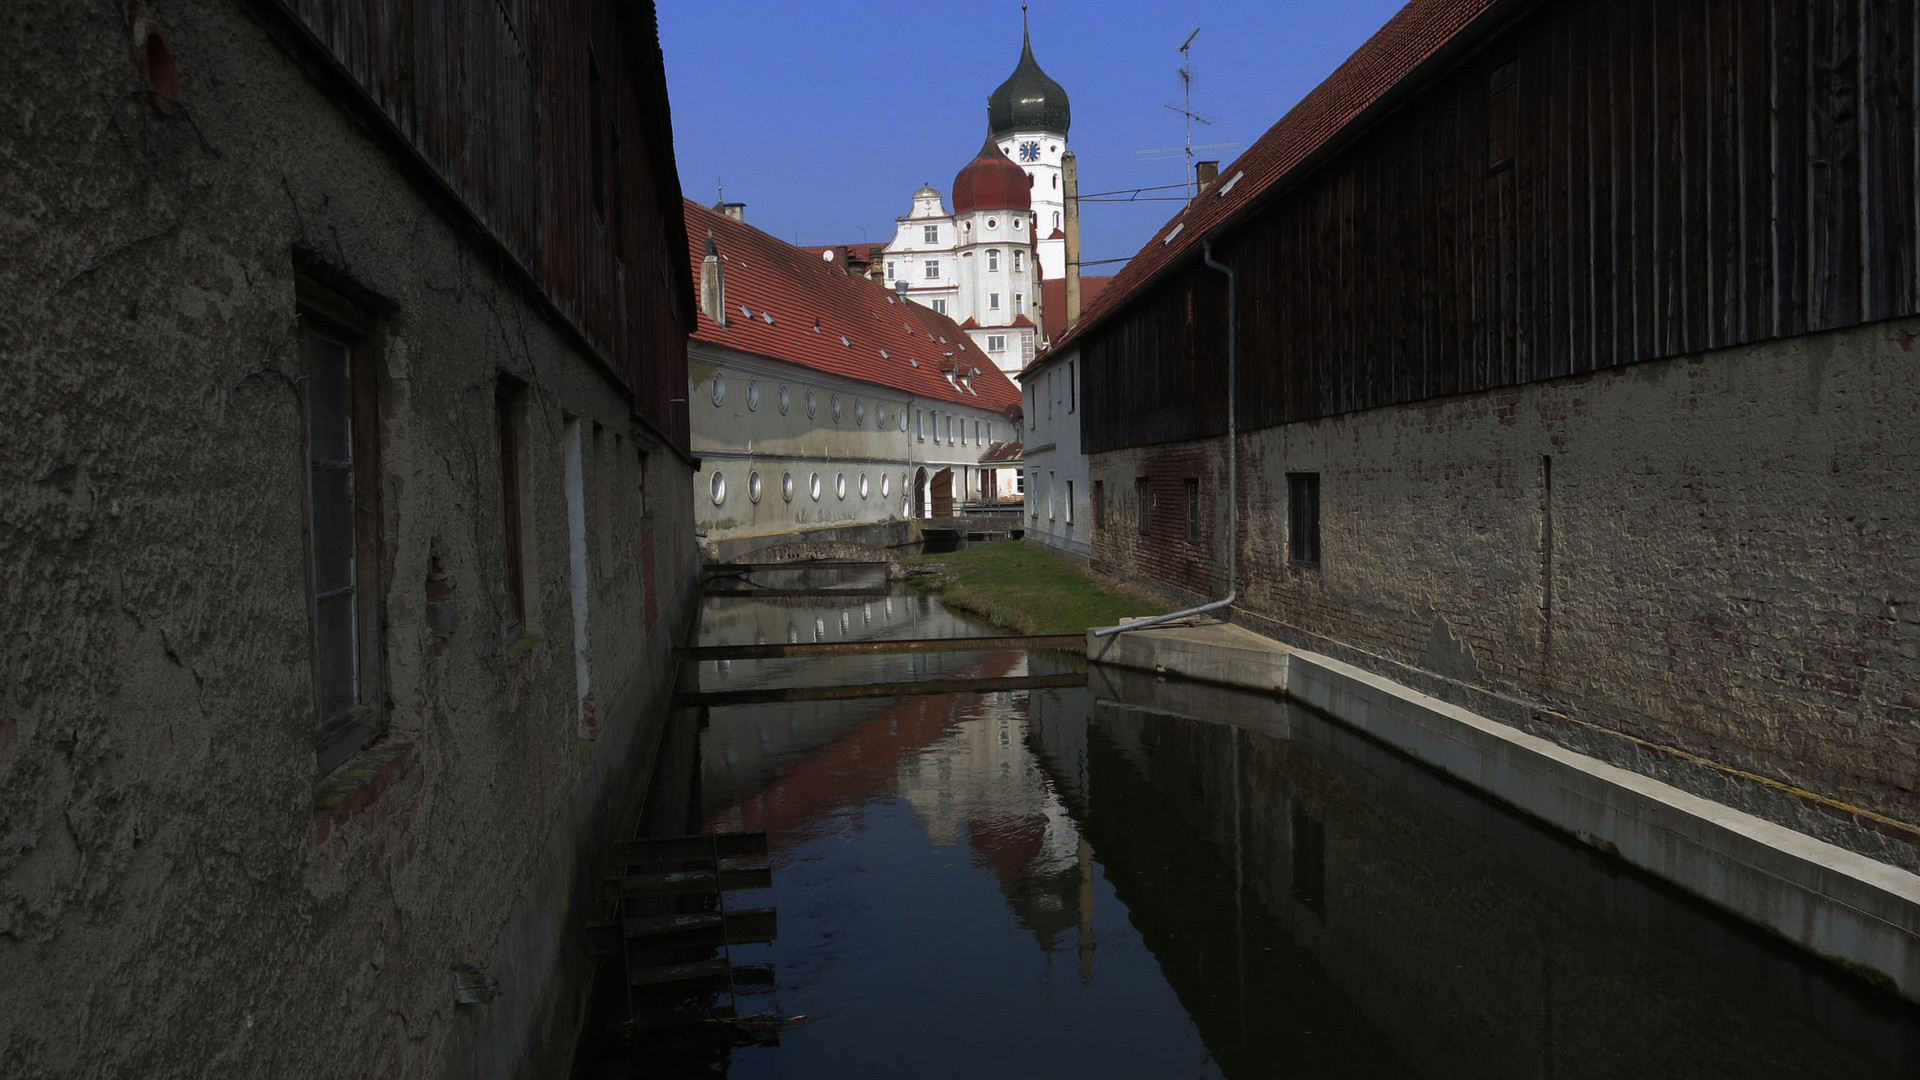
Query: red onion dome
<point x="991" y="182"/>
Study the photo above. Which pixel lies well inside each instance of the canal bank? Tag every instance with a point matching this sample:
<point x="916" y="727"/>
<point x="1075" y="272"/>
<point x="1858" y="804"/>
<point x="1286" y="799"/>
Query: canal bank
<point x="1855" y="911"/>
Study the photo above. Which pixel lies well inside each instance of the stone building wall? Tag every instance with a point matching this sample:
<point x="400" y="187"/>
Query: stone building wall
<point x="1718" y="586"/>
<point x="179" y="894"/>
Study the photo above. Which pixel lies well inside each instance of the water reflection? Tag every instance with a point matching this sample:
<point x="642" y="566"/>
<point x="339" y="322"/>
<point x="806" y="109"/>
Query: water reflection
<point x="1145" y="878"/>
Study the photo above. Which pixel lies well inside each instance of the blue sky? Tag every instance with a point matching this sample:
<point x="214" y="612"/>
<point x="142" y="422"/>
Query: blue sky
<point x="824" y="117"/>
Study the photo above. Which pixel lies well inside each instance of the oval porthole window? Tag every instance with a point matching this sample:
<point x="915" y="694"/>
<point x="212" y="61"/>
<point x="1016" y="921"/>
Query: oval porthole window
<point x="886" y="486"/>
<point x="719" y="388"/>
<point x="863" y="485"/>
<point x="859" y="412"/>
<point x="753" y="486"/>
<point x="833" y="404"/>
<point x="903" y="419"/>
<point x="719" y="488"/>
<point x="813" y="405"/>
<point x="840" y="485"/>
<point x="813" y="486"/>
<point x="992" y="224"/>
<point x="785" y="399"/>
<point x="880" y="416"/>
<point x="753" y="394"/>
<point x="786" y="486"/>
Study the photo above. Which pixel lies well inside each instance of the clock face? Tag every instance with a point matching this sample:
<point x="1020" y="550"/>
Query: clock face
<point x="1029" y="151"/>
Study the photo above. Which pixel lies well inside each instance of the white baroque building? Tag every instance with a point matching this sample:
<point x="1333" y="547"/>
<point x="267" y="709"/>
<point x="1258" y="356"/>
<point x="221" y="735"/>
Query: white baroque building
<point x="983" y="263"/>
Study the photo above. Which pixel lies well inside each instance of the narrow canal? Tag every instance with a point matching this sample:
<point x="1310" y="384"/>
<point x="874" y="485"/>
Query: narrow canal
<point x="1139" y="877"/>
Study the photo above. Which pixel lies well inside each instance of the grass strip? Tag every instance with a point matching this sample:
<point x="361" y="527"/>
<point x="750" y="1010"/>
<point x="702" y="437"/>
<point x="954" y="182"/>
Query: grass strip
<point x="1021" y="588"/>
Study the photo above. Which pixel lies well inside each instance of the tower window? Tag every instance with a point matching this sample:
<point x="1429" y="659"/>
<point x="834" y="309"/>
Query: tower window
<point x="993" y="301"/>
<point x="993" y="258"/>
<point x="933" y="268"/>
<point x="1016" y="259"/>
<point x="996" y="343"/>
<point x="1019" y="303"/>
<point x="931" y="233"/>
<point x="890" y="269"/>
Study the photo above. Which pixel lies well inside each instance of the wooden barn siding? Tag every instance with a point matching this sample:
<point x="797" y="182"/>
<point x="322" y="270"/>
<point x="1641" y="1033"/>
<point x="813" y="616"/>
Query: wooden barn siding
<point x="1687" y="175"/>
<point x="492" y="94"/>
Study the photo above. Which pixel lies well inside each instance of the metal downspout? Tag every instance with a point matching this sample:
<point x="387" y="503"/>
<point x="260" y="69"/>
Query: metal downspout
<point x="1233" y="472"/>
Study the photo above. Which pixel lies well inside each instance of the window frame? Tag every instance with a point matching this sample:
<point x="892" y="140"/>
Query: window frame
<point x="932" y="270"/>
<point x="1303" y="520"/>
<point x="929" y="234"/>
<point x="326" y="317"/>
<point x="1143" y="509"/>
<point x="1193" y="509"/>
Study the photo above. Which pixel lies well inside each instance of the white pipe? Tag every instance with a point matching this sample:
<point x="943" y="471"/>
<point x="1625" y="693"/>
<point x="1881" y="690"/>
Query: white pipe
<point x="1233" y="475"/>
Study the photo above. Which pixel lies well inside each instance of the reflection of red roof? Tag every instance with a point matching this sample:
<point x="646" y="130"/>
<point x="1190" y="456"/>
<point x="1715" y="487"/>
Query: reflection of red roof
<point x="1053" y="300"/>
<point x="824" y="319"/>
<point x="1409" y="38"/>
<point x="865" y="760"/>
<point x="1002" y="452"/>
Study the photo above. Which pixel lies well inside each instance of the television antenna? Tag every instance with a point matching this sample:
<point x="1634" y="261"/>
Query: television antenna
<point x="1185" y="72"/>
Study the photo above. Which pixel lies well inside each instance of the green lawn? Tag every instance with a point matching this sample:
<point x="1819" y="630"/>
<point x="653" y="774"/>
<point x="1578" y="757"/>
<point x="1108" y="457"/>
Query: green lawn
<point x="1021" y="589"/>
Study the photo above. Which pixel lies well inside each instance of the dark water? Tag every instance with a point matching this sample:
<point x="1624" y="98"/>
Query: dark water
<point x="1155" y="879"/>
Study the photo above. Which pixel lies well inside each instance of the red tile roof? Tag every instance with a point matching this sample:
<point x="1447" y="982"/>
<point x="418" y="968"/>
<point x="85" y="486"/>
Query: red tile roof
<point x="1407" y="40"/>
<point x="991" y="181"/>
<point x="1002" y="452"/>
<point x="824" y="319"/>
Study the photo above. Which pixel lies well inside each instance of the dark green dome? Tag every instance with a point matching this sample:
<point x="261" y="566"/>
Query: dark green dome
<point x="1028" y="100"/>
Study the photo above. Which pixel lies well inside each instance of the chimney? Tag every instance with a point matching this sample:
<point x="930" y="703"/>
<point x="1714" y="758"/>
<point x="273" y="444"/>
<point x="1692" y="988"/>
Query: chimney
<point x="1070" y="180"/>
<point x="1206" y="172"/>
<point x="713" y="285"/>
<point x="735" y="210"/>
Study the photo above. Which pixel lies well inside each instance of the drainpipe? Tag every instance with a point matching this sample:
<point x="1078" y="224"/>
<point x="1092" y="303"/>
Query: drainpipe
<point x="1233" y="474"/>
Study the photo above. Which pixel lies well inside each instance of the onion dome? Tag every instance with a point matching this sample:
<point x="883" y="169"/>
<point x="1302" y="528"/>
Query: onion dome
<point x="1028" y="100"/>
<point x="991" y="182"/>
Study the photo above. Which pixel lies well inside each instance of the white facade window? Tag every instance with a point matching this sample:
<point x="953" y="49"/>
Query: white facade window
<point x="1017" y="255"/>
<point x="933" y="268"/>
<point x="996" y="343"/>
<point x="1056" y="219"/>
<point x="939" y="307"/>
<point x="931" y="234"/>
<point x="989" y="431"/>
<point x="1069" y="502"/>
<point x="920" y="424"/>
<point x="993" y="258"/>
<point x="949" y="429"/>
<point x="993" y="301"/>
<point x="890" y="269"/>
<point x="1019" y="303"/>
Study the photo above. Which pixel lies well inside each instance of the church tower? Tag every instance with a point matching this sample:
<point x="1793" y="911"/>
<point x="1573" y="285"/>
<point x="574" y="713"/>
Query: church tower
<point x="1029" y="116"/>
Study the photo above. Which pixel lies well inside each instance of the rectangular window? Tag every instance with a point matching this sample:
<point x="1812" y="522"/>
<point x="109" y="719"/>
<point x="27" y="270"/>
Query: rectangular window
<point x="1193" y="510"/>
<point x="1016" y="258"/>
<point x="933" y="268"/>
<point x="343" y="533"/>
<point x="640" y="486"/>
<point x="949" y="429"/>
<point x="1099" y="504"/>
<point x="509" y="401"/>
<point x="1069" y="502"/>
<point x="989" y="431"/>
<point x="1303" y="518"/>
<point x="920" y="424"/>
<point x="1019" y="303"/>
<point x="939" y="307"/>
<point x="976" y="434"/>
<point x="1143" y="505"/>
<point x="1072" y="390"/>
<point x="930" y="233"/>
<point x="996" y="343"/>
<point x="890" y="268"/>
<point x="1052" y="486"/>
<point x="993" y="301"/>
<point x="993" y="258"/>
<point x="1020" y="482"/>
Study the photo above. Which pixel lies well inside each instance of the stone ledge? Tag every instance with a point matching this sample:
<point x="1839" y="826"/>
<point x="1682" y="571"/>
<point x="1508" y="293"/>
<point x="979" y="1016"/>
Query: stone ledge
<point x="359" y="783"/>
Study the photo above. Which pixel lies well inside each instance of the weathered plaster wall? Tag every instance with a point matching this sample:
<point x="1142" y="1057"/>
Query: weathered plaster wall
<point x="172" y="903"/>
<point x="1059" y="500"/>
<point x="1724" y="564"/>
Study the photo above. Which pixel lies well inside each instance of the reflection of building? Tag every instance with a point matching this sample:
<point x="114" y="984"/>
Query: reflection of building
<point x="823" y="404"/>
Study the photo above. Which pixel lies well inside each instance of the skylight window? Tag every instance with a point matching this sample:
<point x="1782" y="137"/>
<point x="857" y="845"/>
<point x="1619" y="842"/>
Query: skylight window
<point x="1176" y="232"/>
<point x="767" y="317"/>
<point x="1228" y="186"/>
<point x="844" y="341"/>
<point x="884" y="356"/>
<point x="746" y="311"/>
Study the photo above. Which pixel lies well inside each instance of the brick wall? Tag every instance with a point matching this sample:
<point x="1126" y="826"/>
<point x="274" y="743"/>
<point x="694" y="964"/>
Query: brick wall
<point x="1723" y="562"/>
